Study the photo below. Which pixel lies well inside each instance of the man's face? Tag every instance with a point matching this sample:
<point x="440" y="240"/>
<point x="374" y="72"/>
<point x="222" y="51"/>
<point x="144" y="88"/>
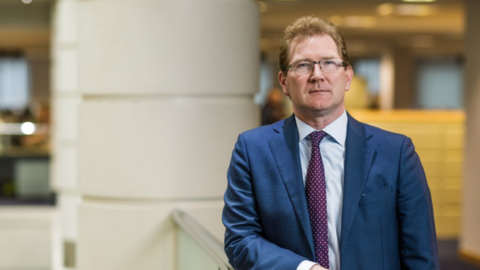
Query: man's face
<point x="316" y="94"/>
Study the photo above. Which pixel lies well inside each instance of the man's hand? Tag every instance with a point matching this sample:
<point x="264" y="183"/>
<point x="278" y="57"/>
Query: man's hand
<point x="317" y="267"/>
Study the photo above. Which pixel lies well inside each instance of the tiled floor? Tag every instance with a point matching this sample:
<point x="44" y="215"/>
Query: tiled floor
<point x="449" y="259"/>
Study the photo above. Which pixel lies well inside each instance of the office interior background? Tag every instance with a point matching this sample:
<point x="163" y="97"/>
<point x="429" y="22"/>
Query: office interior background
<point x="115" y="115"/>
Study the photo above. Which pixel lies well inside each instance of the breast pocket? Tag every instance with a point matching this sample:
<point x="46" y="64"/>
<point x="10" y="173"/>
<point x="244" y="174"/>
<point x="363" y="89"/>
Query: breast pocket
<point x="376" y="195"/>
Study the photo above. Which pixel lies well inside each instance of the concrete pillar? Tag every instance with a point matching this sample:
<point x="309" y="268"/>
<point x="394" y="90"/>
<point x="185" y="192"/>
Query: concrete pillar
<point x="65" y="99"/>
<point x="149" y="97"/>
<point x="470" y="239"/>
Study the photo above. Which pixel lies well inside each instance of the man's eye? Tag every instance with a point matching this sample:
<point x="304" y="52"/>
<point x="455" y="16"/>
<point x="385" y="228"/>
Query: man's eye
<point x="303" y="65"/>
<point x="329" y="62"/>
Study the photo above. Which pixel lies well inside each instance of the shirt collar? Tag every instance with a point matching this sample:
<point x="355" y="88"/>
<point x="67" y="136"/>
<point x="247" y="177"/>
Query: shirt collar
<point x="337" y="129"/>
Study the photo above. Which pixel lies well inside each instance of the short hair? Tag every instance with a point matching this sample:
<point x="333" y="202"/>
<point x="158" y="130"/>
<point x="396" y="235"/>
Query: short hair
<point x="307" y="27"/>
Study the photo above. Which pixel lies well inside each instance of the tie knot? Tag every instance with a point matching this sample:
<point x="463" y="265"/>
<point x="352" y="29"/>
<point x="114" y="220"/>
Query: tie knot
<point x="317" y="136"/>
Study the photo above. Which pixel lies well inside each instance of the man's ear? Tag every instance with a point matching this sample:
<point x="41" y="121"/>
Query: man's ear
<point x="349" y="77"/>
<point x="282" y="79"/>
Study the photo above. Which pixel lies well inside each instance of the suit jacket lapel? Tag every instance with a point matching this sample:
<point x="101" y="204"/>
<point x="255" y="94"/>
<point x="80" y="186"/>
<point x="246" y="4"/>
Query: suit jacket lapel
<point x="359" y="157"/>
<point x="285" y="151"/>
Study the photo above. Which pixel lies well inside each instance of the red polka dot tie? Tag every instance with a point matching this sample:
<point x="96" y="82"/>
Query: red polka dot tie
<point x="317" y="200"/>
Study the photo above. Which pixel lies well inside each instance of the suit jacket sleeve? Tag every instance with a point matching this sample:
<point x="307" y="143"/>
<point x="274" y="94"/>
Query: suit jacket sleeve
<point x="418" y="243"/>
<point x="245" y="244"/>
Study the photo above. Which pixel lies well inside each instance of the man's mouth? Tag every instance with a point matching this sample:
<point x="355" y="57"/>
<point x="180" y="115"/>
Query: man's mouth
<point x="317" y="91"/>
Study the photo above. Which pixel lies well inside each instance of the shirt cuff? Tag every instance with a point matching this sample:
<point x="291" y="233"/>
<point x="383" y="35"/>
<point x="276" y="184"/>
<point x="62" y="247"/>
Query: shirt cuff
<point x="306" y="265"/>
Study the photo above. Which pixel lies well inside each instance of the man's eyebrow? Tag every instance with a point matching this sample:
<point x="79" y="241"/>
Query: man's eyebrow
<point x="302" y="59"/>
<point x="322" y="59"/>
<point x="329" y="57"/>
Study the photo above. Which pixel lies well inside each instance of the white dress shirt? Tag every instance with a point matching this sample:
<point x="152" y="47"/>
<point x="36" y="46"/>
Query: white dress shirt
<point x="332" y="149"/>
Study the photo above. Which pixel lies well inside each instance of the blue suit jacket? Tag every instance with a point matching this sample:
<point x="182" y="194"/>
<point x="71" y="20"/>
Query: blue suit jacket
<point x="387" y="217"/>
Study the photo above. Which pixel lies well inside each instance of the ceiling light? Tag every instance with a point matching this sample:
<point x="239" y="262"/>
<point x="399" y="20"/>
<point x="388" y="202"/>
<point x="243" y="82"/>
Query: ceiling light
<point x="419" y="1"/>
<point x="27" y="128"/>
<point x="359" y="21"/>
<point x="414" y="10"/>
<point x="385" y="9"/>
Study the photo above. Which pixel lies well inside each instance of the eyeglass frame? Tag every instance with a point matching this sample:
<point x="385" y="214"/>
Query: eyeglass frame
<point x="319" y="62"/>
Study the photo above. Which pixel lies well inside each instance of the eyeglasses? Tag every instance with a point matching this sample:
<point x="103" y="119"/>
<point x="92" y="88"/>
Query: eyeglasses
<point x="304" y="67"/>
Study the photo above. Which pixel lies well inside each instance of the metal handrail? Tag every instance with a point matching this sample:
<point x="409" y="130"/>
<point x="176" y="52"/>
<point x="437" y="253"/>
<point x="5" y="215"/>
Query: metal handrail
<point x="211" y="245"/>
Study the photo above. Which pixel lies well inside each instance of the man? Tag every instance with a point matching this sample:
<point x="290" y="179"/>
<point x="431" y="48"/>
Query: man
<point x="320" y="190"/>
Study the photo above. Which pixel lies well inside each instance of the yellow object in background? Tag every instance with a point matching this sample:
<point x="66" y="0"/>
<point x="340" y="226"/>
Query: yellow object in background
<point x="438" y="137"/>
<point x="357" y="97"/>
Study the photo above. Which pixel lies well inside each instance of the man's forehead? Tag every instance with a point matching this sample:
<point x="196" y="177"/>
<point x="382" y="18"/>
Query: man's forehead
<point x="300" y="41"/>
<point x="301" y="38"/>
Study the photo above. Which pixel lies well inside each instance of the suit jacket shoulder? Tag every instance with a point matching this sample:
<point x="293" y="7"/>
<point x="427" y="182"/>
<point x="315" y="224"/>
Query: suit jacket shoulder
<point x="263" y="133"/>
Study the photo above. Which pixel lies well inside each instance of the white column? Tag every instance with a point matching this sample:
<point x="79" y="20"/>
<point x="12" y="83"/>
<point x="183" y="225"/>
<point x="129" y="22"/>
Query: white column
<point x="470" y="239"/>
<point x="66" y="98"/>
<point x="166" y="87"/>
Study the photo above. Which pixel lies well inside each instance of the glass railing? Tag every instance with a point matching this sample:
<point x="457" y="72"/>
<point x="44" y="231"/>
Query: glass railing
<point x="196" y="247"/>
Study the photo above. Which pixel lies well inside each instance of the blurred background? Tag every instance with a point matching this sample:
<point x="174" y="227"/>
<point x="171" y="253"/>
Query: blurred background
<point x="114" y="114"/>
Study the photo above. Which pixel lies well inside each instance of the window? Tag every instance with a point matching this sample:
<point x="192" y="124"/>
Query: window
<point x="369" y="69"/>
<point x="14" y="83"/>
<point x="440" y="83"/>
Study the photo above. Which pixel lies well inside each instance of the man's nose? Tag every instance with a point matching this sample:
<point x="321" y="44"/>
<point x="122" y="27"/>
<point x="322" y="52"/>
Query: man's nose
<point x="317" y="73"/>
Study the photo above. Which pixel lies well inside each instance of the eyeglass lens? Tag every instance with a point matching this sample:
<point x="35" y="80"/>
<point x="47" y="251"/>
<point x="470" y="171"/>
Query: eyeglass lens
<point x="306" y="67"/>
